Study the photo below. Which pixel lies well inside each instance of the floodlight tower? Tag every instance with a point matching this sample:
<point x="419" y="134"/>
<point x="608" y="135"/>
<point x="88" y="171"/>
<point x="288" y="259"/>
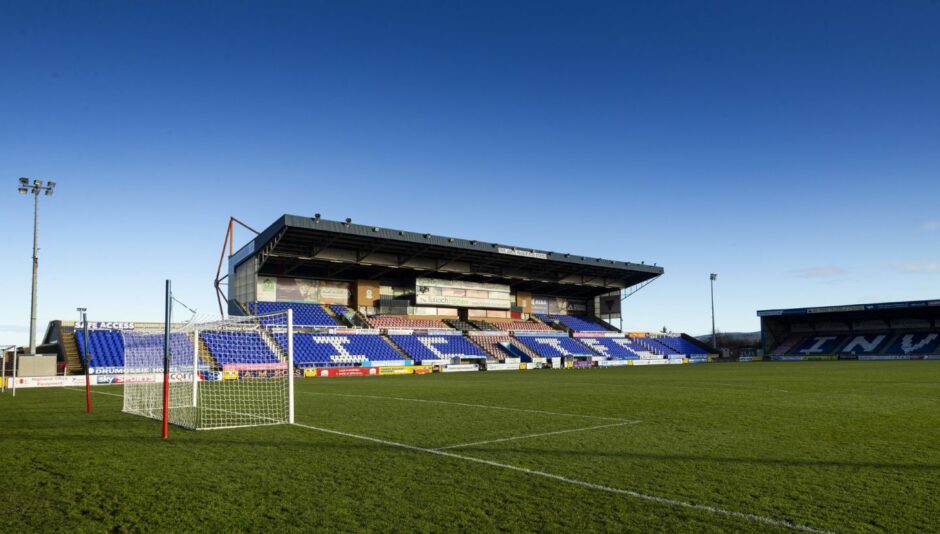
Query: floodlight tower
<point x="35" y="188"/>
<point x="712" y="277"/>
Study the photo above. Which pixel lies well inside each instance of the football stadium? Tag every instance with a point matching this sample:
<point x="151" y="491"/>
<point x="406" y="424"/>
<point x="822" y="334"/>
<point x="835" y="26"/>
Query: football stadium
<point x="470" y="267"/>
<point x="366" y="378"/>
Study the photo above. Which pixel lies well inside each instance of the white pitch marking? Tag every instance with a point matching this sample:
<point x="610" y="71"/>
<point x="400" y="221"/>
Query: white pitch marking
<point x="95" y="392"/>
<point x="527" y="436"/>
<point x="488" y="406"/>
<point x="701" y="387"/>
<point x="590" y="485"/>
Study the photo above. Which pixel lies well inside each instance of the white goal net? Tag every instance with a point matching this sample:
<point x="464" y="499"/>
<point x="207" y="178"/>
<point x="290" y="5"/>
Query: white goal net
<point x="224" y="374"/>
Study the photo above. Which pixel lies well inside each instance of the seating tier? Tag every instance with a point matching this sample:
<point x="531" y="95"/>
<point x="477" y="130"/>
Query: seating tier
<point x="316" y="350"/>
<point x="554" y="346"/>
<point x="238" y="347"/>
<point x="614" y="348"/>
<point x="305" y="314"/>
<point x="395" y="321"/>
<point x="428" y="348"/>
<point x="578" y="324"/>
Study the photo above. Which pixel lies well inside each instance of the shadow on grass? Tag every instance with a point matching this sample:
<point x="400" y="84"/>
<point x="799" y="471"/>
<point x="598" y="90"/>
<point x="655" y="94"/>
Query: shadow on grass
<point x="665" y="457"/>
<point x="195" y="439"/>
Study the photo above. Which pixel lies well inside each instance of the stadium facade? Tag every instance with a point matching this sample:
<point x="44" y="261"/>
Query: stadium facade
<point x="372" y="300"/>
<point x="877" y="331"/>
<point x="309" y="259"/>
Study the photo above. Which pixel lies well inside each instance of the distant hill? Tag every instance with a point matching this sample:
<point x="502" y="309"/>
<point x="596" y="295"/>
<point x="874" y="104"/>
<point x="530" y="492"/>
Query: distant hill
<point x="742" y="339"/>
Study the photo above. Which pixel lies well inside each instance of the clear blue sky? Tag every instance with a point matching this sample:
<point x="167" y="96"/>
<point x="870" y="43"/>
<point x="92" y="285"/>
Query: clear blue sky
<point x="793" y="148"/>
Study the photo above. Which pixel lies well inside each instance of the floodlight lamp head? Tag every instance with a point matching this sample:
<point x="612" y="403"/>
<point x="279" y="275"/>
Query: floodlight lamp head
<point x="51" y="185"/>
<point x="22" y="190"/>
<point x="48" y="192"/>
<point x="24" y="181"/>
<point x="713" y="276"/>
<point x="37" y="183"/>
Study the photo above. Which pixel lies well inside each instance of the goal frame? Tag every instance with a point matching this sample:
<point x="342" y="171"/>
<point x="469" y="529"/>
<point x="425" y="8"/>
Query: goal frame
<point x="194" y="390"/>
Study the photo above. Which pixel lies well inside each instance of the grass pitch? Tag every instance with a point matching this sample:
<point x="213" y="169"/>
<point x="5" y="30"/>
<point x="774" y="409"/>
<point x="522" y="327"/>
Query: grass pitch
<point x="761" y="447"/>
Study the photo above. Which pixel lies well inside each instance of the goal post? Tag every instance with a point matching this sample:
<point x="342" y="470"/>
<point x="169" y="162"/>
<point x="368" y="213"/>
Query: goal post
<point x="290" y="366"/>
<point x="231" y="373"/>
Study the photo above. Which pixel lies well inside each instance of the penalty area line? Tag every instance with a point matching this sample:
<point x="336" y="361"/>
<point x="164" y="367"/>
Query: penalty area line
<point x="469" y="405"/>
<point x="584" y="484"/>
<point x="528" y="436"/>
<point x="96" y="392"/>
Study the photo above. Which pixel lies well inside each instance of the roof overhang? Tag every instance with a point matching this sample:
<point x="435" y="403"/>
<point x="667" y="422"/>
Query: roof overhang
<point x="318" y="248"/>
<point x="852" y="311"/>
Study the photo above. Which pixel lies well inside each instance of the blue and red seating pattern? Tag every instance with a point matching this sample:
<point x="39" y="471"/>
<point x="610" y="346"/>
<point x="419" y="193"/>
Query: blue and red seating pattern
<point x="555" y="346"/>
<point x="615" y="348"/>
<point x="436" y="348"/>
<point x="819" y="344"/>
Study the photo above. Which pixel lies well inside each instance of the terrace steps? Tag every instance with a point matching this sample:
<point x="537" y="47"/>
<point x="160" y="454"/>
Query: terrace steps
<point x="498" y="354"/>
<point x="73" y="357"/>
<point x="205" y="355"/>
<point x="788" y="344"/>
<point x="397" y="347"/>
<point x="493" y="356"/>
<point x="404" y="355"/>
<point x="356" y="319"/>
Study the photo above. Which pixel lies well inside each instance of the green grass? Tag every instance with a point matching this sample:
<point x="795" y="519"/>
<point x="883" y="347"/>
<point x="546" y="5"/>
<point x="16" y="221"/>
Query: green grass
<point x="838" y="446"/>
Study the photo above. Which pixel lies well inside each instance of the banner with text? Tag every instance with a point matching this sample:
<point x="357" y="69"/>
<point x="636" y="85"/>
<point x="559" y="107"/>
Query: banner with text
<point x="461" y="293"/>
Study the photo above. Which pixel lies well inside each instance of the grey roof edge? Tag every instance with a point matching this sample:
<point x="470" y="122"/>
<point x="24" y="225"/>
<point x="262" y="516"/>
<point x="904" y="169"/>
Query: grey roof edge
<point x="311" y="223"/>
<point x="851" y="308"/>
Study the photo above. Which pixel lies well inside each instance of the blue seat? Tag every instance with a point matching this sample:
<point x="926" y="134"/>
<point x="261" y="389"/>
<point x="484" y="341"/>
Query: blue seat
<point x="444" y="347"/>
<point x="578" y="324"/>
<point x="305" y="313"/>
<point x="555" y="346"/>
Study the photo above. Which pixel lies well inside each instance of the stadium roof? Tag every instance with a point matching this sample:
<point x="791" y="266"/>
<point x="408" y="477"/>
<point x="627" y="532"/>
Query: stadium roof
<point x="318" y="248"/>
<point x="900" y="307"/>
